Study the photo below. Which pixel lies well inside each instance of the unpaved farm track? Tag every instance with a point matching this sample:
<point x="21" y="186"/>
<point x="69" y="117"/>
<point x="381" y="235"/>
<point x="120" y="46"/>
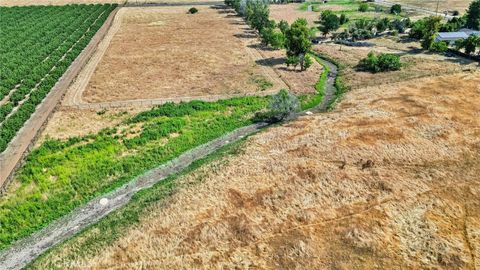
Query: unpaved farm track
<point x="23" y="252"/>
<point x="11" y="158"/>
<point x="73" y="97"/>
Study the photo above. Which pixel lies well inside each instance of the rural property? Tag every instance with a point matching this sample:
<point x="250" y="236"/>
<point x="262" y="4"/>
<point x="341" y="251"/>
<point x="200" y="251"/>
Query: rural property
<point x="239" y="134"/>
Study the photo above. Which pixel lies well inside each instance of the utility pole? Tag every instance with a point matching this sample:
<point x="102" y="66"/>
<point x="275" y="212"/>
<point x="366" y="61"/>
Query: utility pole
<point x="436" y="11"/>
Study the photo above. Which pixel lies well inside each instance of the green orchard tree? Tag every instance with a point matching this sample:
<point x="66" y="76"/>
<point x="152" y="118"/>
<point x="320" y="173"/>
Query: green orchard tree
<point x="297" y="40"/>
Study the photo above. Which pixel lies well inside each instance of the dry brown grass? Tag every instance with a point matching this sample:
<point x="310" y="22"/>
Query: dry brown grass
<point x="416" y="64"/>
<point x="69" y="122"/>
<point x="387" y="180"/>
<point x="444" y="5"/>
<point x="290" y="13"/>
<point x="167" y="53"/>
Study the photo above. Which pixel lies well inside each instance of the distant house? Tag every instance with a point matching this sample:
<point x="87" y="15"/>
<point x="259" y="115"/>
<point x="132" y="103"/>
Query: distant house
<point x="451" y="37"/>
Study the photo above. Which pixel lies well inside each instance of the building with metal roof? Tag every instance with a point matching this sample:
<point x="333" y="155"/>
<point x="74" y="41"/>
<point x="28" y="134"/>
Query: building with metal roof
<point x="451" y="37"/>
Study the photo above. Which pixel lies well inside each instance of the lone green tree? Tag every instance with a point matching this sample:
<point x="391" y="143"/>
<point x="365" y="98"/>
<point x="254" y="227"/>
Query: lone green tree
<point x="328" y="22"/>
<point x="283" y="105"/>
<point x="473" y="15"/>
<point x="297" y="41"/>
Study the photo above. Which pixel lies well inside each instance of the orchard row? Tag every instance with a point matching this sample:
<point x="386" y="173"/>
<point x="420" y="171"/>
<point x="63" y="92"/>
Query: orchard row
<point x="37" y="46"/>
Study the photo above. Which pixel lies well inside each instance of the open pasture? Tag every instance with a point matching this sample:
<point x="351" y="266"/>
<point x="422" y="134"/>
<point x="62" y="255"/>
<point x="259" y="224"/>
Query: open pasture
<point x="38" y="44"/>
<point x="443" y="5"/>
<point x="165" y="53"/>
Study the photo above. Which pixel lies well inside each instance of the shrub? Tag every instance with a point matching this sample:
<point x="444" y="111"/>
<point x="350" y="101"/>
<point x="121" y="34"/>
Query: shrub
<point x="455" y="13"/>
<point x="283" y="105"/>
<point x="396" y="9"/>
<point x="439" y="47"/>
<point x="343" y="19"/>
<point x="382" y="25"/>
<point x="192" y="10"/>
<point x="292" y="60"/>
<point x="363" y="7"/>
<point x="380" y="63"/>
<point x="272" y="38"/>
<point x="307" y="62"/>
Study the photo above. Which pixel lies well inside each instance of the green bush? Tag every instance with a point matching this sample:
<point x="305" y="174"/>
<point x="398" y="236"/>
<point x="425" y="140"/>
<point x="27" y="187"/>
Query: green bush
<point x="396" y="9"/>
<point x="363" y="7"/>
<point x="380" y="63"/>
<point x="283" y="105"/>
<point x="192" y="10"/>
<point x="439" y="46"/>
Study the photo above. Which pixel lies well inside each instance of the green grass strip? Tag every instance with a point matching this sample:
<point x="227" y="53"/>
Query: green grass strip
<point x="310" y="101"/>
<point x="97" y="237"/>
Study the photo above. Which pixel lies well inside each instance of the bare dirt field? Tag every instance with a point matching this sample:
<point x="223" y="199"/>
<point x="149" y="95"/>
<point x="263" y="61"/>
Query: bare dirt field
<point x="67" y="2"/>
<point x="416" y="63"/>
<point x="291" y="12"/>
<point x="443" y="5"/>
<point x="389" y="179"/>
<point x="166" y="53"/>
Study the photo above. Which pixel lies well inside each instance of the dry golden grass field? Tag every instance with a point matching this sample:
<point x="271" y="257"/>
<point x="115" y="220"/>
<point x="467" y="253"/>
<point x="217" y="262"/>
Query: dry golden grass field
<point x="167" y="53"/>
<point x="388" y="180"/>
<point x="291" y="12"/>
<point x="443" y="5"/>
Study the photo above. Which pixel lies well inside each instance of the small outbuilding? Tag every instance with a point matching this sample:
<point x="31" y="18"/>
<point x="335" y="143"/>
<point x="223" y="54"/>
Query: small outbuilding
<point x="451" y="37"/>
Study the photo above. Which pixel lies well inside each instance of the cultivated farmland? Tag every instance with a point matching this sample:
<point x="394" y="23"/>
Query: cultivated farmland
<point x="36" y="52"/>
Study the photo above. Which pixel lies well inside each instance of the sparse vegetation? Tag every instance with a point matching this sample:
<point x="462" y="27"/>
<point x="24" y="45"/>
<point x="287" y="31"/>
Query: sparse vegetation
<point x="192" y="10"/>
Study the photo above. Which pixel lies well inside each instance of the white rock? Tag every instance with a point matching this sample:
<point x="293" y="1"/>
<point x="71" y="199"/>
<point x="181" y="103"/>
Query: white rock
<point x="103" y="201"/>
<point x="308" y="113"/>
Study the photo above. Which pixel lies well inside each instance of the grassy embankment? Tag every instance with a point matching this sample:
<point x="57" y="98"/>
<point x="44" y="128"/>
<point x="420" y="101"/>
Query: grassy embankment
<point x="61" y="175"/>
